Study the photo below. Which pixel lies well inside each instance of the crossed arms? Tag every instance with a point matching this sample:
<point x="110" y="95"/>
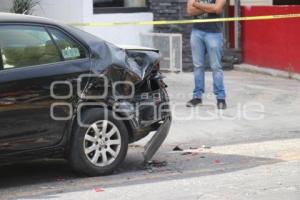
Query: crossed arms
<point x="195" y="8"/>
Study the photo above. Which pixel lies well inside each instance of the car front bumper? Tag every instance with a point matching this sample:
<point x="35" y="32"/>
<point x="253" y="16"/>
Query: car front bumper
<point x="157" y="140"/>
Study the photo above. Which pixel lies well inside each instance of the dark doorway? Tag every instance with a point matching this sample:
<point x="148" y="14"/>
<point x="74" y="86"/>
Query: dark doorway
<point x="286" y="2"/>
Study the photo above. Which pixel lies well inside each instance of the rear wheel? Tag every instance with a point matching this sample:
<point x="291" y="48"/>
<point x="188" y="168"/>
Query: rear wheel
<point x="101" y="147"/>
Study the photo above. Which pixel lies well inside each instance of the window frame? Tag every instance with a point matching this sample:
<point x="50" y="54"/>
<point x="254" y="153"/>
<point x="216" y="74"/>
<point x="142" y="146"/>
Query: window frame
<point x="45" y="27"/>
<point x="86" y="52"/>
<point x="72" y="37"/>
<point x="107" y="10"/>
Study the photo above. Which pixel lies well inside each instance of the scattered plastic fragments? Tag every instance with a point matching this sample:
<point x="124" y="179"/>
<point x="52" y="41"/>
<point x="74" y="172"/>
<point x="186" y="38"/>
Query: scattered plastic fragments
<point x="177" y="148"/>
<point x="217" y="162"/>
<point x="157" y="164"/>
<point x="154" y="164"/>
<point x="186" y="153"/>
<point x="194" y="151"/>
<point x="99" y="190"/>
<point x="135" y="146"/>
<point x="206" y="147"/>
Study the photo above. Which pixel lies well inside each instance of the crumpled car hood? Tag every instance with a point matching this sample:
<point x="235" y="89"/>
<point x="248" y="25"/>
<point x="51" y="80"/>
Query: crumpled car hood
<point x="139" y="60"/>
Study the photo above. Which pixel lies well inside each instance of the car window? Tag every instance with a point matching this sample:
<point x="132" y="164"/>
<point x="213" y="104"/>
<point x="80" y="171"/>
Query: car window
<point x="23" y="46"/>
<point x="70" y="50"/>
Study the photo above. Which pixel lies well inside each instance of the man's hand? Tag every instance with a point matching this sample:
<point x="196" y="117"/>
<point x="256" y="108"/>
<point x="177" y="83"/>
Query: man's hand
<point x="192" y="10"/>
<point x="217" y="7"/>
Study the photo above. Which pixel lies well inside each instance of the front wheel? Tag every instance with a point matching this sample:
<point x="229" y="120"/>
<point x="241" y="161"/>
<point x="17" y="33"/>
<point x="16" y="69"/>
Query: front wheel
<point x="100" y="148"/>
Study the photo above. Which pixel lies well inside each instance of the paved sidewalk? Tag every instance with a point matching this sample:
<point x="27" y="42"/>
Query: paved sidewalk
<point x="275" y="181"/>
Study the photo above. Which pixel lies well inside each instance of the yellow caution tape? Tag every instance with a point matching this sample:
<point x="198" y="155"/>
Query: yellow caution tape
<point x="191" y="21"/>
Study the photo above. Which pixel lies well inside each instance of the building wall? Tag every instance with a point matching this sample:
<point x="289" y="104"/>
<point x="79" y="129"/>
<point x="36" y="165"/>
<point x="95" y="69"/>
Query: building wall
<point x="274" y="43"/>
<point x="173" y="10"/>
<point x="5" y="5"/>
<point x="78" y="11"/>
<point x="66" y="11"/>
<point x="123" y="35"/>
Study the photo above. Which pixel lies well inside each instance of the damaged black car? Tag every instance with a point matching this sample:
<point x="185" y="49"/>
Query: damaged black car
<point x="67" y="94"/>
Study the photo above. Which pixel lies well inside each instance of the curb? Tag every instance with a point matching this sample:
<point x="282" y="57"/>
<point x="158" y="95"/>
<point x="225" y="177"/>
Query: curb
<point x="267" y="71"/>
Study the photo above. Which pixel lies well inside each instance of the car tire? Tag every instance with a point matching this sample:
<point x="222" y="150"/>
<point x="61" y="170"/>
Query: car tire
<point x="93" y="153"/>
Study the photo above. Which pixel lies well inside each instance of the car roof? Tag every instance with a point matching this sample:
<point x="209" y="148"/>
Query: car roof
<point x="9" y="17"/>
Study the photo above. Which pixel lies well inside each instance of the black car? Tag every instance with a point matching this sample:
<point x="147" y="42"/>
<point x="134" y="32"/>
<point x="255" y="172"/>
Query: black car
<point x="67" y="94"/>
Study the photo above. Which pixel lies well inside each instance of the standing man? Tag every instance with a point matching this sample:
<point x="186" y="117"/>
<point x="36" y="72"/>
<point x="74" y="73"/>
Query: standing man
<point x="207" y="38"/>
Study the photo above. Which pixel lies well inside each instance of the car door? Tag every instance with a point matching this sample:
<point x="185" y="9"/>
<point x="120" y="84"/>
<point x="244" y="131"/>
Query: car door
<point x="33" y="58"/>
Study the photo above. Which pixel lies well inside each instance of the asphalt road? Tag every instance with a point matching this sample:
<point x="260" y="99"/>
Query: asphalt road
<point x="251" y="150"/>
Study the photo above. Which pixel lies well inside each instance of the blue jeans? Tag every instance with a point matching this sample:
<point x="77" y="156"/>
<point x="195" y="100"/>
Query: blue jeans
<point x="212" y="44"/>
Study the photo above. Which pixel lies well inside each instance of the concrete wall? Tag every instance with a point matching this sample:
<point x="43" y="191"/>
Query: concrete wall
<point x="66" y="11"/>
<point x="173" y="10"/>
<point x="271" y="44"/>
<point x="124" y="35"/>
<point x="70" y="11"/>
<point x="5" y="5"/>
<point x="77" y="11"/>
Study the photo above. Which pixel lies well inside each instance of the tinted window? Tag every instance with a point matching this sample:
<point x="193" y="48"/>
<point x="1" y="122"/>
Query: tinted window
<point x="23" y="46"/>
<point x="120" y="3"/>
<point x="70" y="50"/>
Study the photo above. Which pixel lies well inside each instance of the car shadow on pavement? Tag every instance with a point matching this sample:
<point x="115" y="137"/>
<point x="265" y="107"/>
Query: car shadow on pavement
<point x="45" y="177"/>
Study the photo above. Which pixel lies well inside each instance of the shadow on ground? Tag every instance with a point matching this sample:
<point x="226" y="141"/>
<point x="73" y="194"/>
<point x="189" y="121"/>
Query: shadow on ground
<point x="51" y="177"/>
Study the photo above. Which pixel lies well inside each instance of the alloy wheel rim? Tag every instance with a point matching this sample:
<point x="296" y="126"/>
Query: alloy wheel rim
<point x="102" y="143"/>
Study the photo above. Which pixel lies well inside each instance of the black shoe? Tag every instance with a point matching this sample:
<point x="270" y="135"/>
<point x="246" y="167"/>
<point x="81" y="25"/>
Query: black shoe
<point x="194" y="102"/>
<point x="221" y="103"/>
